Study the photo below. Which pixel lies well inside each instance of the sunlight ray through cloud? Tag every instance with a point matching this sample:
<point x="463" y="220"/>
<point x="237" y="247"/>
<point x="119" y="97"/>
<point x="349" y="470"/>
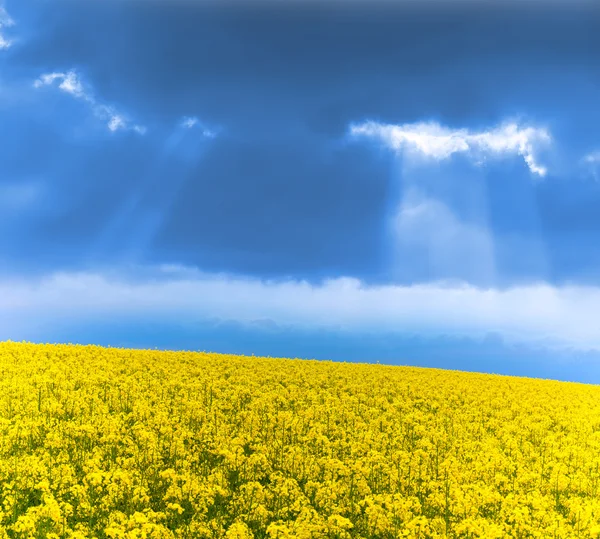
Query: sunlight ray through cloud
<point x="136" y="224"/>
<point x="18" y="196"/>
<point x="427" y="227"/>
<point x="428" y="232"/>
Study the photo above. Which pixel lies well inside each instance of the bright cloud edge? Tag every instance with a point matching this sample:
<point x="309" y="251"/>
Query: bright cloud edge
<point x="433" y="140"/>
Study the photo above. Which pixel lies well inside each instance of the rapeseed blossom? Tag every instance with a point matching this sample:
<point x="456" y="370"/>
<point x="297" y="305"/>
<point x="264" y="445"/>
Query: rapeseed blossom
<point x="124" y="444"/>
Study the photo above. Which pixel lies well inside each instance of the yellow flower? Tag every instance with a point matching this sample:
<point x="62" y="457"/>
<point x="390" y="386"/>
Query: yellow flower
<point x="239" y="530"/>
<point x="146" y="444"/>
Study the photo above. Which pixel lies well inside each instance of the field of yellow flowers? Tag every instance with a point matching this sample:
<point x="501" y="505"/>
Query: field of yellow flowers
<point x="113" y="443"/>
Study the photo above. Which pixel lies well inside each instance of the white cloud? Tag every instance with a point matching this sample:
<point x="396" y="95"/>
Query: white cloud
<point x="560" y="315"/>
<point x="116" y="123"/>
<point x="188" y="122"/>
<point x="592" y="158"/>
<point x="437" y="142"/>
<point x="5" y="22"/>
<point x="591" y="162"/>
<point x="70" y="83"/>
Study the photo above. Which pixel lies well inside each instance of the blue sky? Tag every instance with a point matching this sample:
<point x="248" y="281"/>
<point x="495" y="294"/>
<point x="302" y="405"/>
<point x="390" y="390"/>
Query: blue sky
<point x="397" y="181"/>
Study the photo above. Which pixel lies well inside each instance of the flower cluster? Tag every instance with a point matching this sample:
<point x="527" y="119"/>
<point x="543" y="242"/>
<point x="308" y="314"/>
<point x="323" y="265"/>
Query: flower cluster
<point x="122" y="444"/>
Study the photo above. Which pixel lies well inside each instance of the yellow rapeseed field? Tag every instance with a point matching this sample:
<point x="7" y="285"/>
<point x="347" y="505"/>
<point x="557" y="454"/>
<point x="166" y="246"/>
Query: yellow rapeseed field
<point x="111" y="443"/>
